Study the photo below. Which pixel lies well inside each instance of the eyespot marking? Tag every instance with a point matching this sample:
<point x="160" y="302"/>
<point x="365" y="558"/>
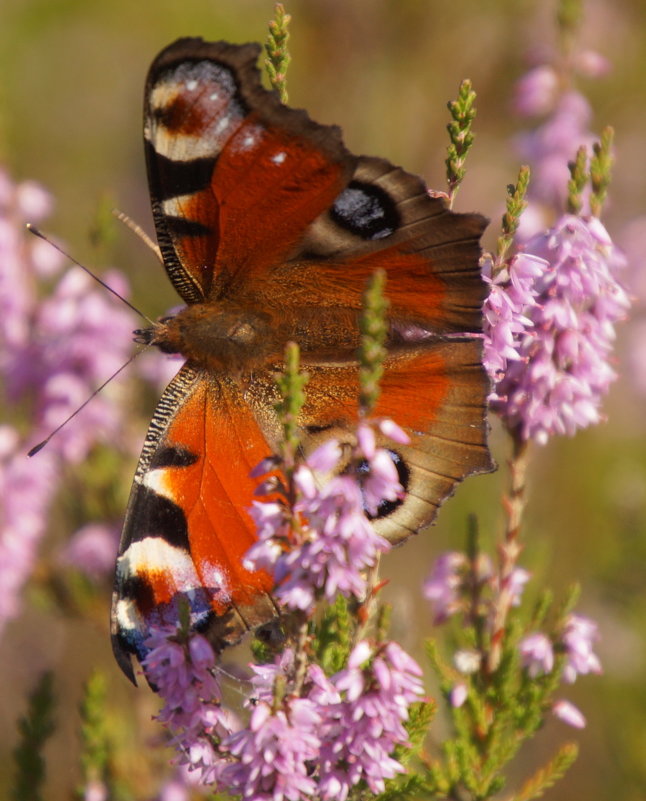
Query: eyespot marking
<point x="366" y="210"/>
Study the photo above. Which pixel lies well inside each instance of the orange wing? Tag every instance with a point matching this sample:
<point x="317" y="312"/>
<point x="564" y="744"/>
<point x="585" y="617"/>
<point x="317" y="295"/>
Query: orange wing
<point x="187" y="528"/>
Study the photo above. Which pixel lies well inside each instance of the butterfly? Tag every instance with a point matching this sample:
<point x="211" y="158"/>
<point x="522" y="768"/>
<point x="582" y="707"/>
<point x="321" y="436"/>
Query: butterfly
<point x="269" y="229"/>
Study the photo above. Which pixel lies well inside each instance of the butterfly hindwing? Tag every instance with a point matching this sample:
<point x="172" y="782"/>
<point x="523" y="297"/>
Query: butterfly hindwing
<point x="386" y="219"/>
<point x="435" y="391"/>
<point x="187" y="527"/>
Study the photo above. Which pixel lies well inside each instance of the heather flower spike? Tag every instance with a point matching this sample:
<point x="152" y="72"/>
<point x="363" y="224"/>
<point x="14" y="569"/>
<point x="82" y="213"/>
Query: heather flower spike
<point x="563" y="373"/>
<point x="578" y="181"/>
<point x="600" y="170"/>
<point x="516" y="204"/>
<point x="291" y="384"/>
<point x="278" y="57"/>
<point x="569" y="15"/>
<point x="372" y="325"/>
<point x="463" y="113"/>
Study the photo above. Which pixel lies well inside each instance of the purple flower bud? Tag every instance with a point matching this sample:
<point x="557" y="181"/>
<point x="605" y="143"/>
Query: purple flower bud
<point x="535" y="93"/>
<point x="517" y="581"/>
<point x="591" y="64"/>
<point x="329" y="551"/>
<point x="325" y="458"/>
<point x="392" y="431"/>
<point x="458" y="695"/>
<point x="95" y="790"/>
<point x="537" y="654"/>
<point x="366" y="440"/>
<point x="92" y="549"/>
<point x="443" y="585"/>
<point x="568" y="713"/>
<point x="579" y="637"/>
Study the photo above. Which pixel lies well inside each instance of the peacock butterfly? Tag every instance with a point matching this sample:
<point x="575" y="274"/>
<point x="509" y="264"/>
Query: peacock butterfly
<point x="269" y="229"/>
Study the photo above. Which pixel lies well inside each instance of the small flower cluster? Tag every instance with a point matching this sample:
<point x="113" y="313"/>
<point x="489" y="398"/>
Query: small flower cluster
<point x="335" y="733"/>
<point x="316" y="736"/>
<point x="451" y="587"/>
<point x="556" y="327"/>
<point x="511" y="292"/>
<point x="52" y="354"/>
<point x="322" y="543"/>
<point x="181" y="670"/>
<point x="550" y="147"/>
<point x="452" y="574"/>
<point x="550" y="317"/>
<point x="576" y="641"/>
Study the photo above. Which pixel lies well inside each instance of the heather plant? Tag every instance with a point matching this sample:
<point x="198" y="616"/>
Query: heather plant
<point x="341" y="711"/>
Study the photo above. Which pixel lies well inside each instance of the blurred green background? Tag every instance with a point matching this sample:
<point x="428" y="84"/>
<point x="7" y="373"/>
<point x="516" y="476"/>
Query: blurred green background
<point x="71" y="89"/>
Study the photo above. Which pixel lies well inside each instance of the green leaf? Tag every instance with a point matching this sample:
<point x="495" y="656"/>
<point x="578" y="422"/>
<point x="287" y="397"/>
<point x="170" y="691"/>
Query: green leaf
<point x="333" y="637"/>
<point x="291" y="385"/>
<point x="372" y="352"/>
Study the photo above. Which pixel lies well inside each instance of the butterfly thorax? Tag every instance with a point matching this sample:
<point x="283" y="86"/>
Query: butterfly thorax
<point x="222" y="336"/>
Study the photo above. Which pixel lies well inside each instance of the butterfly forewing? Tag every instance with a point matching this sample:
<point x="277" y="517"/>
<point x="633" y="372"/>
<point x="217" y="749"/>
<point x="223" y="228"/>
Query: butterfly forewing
<point x="235" y="175"/>
<point x="187" y="527"/>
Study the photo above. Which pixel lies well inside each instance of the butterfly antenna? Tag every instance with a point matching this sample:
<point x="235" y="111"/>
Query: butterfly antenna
<point x="32" y="229"/>
<point x="42" y="444"/>
<point x="139" y="231"/>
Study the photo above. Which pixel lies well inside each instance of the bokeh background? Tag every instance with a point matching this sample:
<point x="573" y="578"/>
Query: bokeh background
<point x="71" y="83"/>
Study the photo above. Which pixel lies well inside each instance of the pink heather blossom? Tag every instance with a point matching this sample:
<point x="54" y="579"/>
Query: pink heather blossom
<point x="579" y="637"/>
<point x="342" y="730"/>
<point x="174" y="790"/>
<point x="360" y="730"/>
<point x="550" y="147"/>
<point x="81" y="336"/>
<point x="458" y="695"/>
<point x="511" y="292"/>
<point x="335" y="542"/>
<point x="53" y="353"/>
<point x="92" y="550"/>
<point x="568" y="713"/>
<point x="27" y="489"/>
<point x="517" y="582"/>
<point x="591" y="64"/>
<point x="183" y="675"/>
<point x="273" y="754"/>
<point x="537" y="654"/>
<point x="95" y="790"/>
<point x="564" y="369"/>
<point x="536" y="92"/>
<point x="443" y="586"/>
<point x="265" y="676"/>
